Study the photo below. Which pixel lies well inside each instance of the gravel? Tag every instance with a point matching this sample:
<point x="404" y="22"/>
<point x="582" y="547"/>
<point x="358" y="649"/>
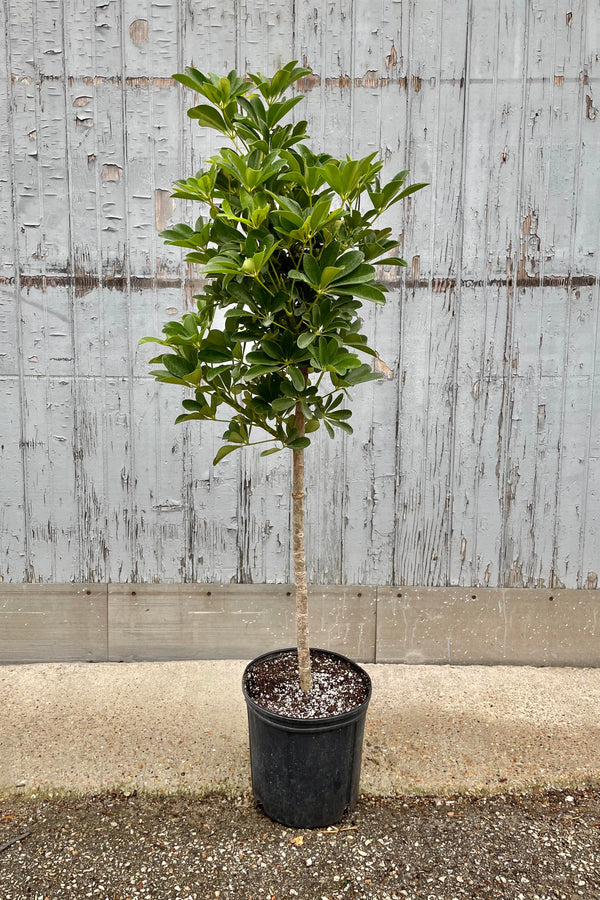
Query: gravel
<point x="543" y="845"/>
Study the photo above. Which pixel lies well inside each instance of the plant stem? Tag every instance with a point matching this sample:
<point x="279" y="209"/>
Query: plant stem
<point x="300" y="561"/>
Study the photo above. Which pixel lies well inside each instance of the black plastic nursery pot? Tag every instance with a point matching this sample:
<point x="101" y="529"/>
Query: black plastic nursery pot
<point x="305" y="772"/>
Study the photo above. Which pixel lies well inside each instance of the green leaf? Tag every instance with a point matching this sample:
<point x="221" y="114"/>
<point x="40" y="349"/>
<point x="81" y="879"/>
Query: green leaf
<point x="283" y="404"/>
<point x="365" y="291"/>
<point x="213" y="373"/>
<point x="194" y="405"/>
<point x="225" y="450"/>
<point x="392" y="261"/>
<point x="329" y="274"/>
<point x="208" y="117"/>
<point x="412" y="189"/>
<point x="192" y="79"/>
<point x="298" y="276"/>
<point x="187" y="417"/>
<point x="271" y="450"/>
<point x="255" y="371"/>
<point x="306" y="339"/>
<point x="278" y="110"/>
<point x="169" y="379"/>
<point x="312" y="270"/>
<point x="300" y="443"/>
<point x="176" y="365"/>
<point x="190" y="324"/>
<point x="344" y="426"/>
<point x="296" y="376"/>
<point x="361" y="375"/>
<point x="153" y="340"/>
<point x="349" y="261"/>
<point x="362" y="273"/>
<point x="258" y="358"/>
<point x="272" y="350"/>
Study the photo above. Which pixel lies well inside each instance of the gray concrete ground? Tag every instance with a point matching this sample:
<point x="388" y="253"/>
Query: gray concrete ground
<point x="182" y="725"/>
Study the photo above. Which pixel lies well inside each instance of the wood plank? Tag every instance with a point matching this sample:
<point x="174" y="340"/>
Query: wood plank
<point x="487" y="627"/>
<point x="52" y="525"/>
<point x="265" y="35"/>
<point x="13" y="527"/>
<point x="324" y="38"/>
<point x="228" y="622"/>
<point x="90" y="479"/>
<point x="324" y="44"/>
<point x="264" y="517"/>
<point x="122" y="516"/>
<point x="481" y="392"/>
<point x="23" y="91"/>
<point x="363" y="449"/>
<point x="265" y="38"/>
<point x="161" y="544"/>
<point x="53" y="623"/>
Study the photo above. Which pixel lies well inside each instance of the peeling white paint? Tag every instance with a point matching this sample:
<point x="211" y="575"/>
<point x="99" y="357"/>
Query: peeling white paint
<point x="474" y="461"/>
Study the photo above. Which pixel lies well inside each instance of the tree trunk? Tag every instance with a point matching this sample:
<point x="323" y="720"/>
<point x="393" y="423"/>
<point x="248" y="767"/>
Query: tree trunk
<point x="300" y="562"/>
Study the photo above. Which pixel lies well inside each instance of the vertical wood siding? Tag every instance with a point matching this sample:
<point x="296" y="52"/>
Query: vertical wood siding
<point x="476" y="461"/>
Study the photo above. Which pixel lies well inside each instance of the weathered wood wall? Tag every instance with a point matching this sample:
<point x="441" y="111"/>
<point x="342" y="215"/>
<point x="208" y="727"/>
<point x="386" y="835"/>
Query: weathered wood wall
<point x="478" y="463"/>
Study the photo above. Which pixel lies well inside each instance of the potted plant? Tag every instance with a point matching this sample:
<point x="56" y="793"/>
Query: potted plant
<point x="288" y="254"/>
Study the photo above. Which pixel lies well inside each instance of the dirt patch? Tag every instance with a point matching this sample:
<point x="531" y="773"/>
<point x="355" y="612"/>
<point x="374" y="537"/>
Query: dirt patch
<point x="117" y="846"/>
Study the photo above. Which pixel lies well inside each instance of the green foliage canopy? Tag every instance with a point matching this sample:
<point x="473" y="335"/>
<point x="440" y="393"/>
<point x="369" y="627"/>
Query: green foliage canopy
<point x="288" y="256"/>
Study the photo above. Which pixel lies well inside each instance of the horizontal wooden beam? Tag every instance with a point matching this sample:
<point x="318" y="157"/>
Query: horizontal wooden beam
<point x="457" y="626"/>
<point x="53" y="622"/>
<point x="234" y="621"/>
<point x="489" y="626"/>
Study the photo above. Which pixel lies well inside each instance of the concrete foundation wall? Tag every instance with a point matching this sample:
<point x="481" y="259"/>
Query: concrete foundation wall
<point x="458" y="626"/>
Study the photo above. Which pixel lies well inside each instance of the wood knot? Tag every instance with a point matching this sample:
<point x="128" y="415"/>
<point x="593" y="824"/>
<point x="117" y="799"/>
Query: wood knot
<point x="298" y="494"/>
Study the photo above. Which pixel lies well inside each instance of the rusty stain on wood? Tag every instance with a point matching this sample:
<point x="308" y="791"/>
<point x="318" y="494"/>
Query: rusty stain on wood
<point x="110" y="172"/>
<point x="164" y="206"/>
<point x="415" y="268"/>
<point x="308" y="83"/>
<point x="590" y="109"/>
<point x="138" y="31"/>
<point x="383" y="368"/>
<point x="194" y="284"/>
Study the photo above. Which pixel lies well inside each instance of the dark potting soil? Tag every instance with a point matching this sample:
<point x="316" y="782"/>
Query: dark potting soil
<point x="338" y="687"/>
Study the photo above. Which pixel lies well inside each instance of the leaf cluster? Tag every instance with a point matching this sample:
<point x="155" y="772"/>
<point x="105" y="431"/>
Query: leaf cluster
<point x="288" y="255"/>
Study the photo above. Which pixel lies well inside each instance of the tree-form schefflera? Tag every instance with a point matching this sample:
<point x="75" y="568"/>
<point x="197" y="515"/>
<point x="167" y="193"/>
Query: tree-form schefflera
<point x="288" y="247"/>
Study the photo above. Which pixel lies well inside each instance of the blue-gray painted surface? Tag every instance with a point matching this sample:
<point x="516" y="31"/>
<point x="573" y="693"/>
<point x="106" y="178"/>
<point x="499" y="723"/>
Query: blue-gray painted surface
<point x="475" y="462"/>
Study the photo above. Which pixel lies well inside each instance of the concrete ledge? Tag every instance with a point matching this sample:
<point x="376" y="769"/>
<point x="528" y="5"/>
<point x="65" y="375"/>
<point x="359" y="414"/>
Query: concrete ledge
<point x="53" y="622"/>
<point x="235" y="621"/>
<point x="460" y="626"/>
<point x="488" y="626"/>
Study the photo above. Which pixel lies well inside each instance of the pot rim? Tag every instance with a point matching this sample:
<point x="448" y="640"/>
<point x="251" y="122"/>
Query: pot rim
<point x="317" y="723"/>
